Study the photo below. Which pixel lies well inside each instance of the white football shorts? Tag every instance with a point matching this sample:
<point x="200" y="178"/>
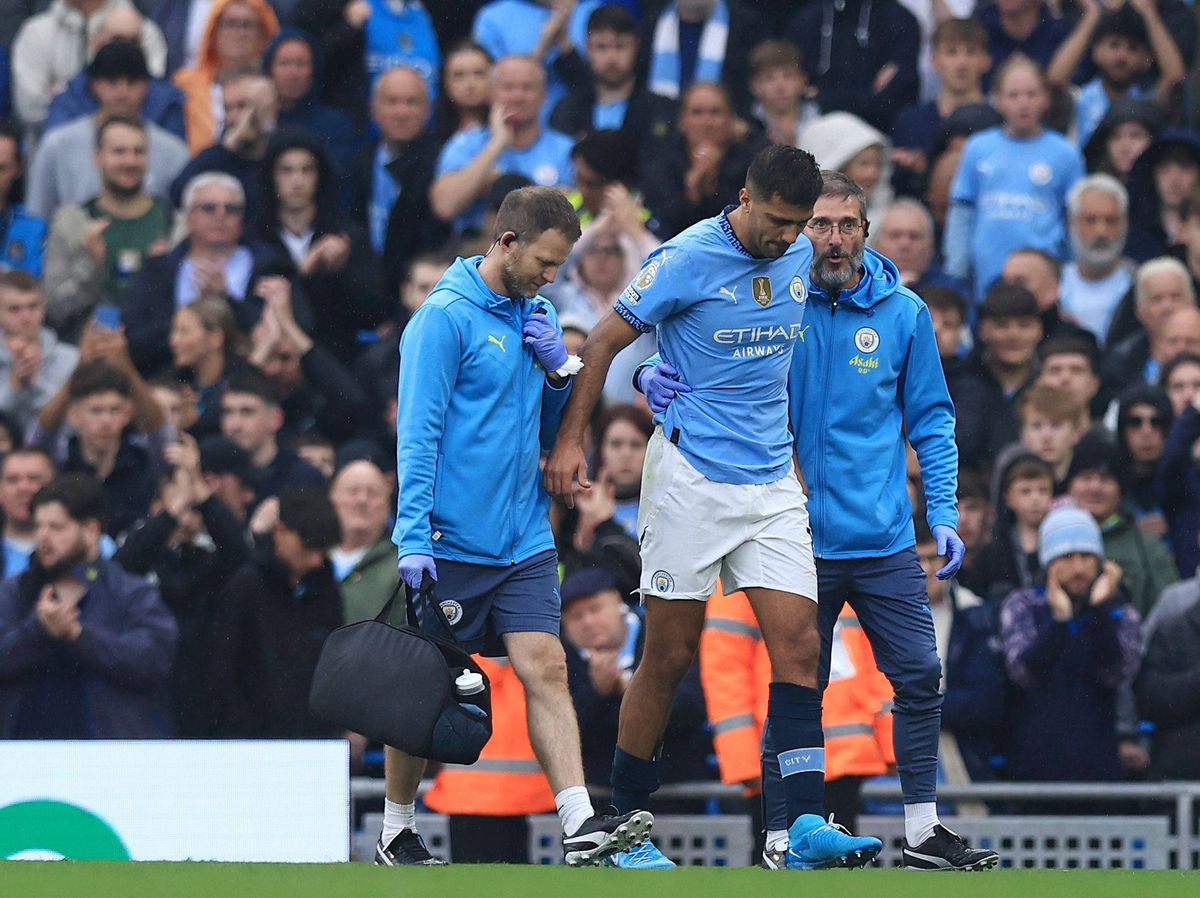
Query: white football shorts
<point x="693" y="529"/>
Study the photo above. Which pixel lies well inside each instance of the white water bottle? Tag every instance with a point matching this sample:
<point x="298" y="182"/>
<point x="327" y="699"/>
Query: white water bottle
<point x="469" y="683"/>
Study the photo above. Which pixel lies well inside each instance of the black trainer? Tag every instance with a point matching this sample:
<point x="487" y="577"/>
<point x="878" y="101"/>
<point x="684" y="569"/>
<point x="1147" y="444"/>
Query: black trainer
<point x="946" y="850"/>
<point x="774" y="859"/>
<point x="407" y="849"/>
<point x="604" y="835"/>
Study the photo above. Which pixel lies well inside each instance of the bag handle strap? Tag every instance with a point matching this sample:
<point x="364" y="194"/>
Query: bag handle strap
<point x="426" y="592"/>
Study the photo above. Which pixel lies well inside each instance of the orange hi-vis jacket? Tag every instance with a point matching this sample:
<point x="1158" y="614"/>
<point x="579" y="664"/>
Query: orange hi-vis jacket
<point x="735" y="672"/>
<point x="507" y="779"/>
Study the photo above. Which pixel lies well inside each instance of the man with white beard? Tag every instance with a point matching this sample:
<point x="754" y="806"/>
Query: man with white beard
<point x="1093" y="284"/>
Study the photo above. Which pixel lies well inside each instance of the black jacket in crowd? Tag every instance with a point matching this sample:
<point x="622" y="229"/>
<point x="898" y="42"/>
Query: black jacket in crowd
<point x="1168" y="692"/>
<point x="648" y="117"/>
<point x="329" y="399"/>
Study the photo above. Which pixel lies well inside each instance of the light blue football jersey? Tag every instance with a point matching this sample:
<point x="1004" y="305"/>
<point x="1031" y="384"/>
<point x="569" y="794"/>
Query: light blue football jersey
<point x="728" y="322"/>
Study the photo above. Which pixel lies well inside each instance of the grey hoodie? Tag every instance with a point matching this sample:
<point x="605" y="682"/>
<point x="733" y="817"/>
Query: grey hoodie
<point x="58" y="361"/>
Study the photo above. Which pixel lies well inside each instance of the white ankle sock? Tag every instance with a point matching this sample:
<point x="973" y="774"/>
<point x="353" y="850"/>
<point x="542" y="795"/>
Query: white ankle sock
<point x="397" y="818"/>
<point x="574" y="807"/>
<point x="777" y="840"/>
<point x="919" y="821"/>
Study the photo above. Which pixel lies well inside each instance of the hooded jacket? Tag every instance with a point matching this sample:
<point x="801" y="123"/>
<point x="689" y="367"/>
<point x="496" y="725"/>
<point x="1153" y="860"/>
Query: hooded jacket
<point x="163" y="105"/>
<point x="197" y="82"/>
<point x="866" y="372"/>
<point x="838" y="137"/>
<point x="1147" y="238"/>
<point x="474" y="413"/>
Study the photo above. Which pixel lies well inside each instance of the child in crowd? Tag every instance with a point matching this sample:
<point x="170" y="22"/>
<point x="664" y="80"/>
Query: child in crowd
<point x="1010" y="561"/>
<point x="783" y="96"/>
<point x="1052" y="423"/>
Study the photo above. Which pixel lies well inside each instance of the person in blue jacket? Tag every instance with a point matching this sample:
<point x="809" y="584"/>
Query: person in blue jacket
<point x="865" y="376"/>
<point x="484" y="376"/>
<point x="22" y="234"/>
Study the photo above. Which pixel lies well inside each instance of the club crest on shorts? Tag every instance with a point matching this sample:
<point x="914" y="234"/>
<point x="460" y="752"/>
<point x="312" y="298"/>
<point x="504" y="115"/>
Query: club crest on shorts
<point x="797" y="290"/>
<point x="662" y="581"/>
<point x="761" y="289"/>
<point x="452" y="610"/>
<point x="866" y="339"/>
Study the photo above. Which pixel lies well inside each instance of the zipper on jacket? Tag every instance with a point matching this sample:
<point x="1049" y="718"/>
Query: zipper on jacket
<point x="825" y="403"/>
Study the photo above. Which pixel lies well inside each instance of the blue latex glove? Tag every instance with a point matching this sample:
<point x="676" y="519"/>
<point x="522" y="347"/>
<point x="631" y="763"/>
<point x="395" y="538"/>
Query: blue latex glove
<point x="413" y="569"/>
<point x="953" y="548"/>
<point x="661" y="384"/>
<point x="546" y="342"/>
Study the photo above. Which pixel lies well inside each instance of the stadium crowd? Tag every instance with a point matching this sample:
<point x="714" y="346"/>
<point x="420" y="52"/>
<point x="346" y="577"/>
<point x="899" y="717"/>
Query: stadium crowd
<point x="216" y="217"/>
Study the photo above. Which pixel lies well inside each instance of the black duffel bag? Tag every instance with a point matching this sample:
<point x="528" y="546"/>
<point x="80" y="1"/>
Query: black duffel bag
<point x="395" y="685"/>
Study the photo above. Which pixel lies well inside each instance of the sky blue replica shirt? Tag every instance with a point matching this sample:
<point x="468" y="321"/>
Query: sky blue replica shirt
<point x="1017" y="190"/>
<point x="402" y="36"/>
<point x="728" y="321"/>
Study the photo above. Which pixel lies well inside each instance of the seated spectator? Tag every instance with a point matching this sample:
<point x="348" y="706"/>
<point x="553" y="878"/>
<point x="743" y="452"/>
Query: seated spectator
<point x="864" y="56"/>
<point x="191" y="545"/>
<point x="391" y="179"/>
<point x="1052" y="424"/>
<point x="1180" y="380"/>
<point x="783" y="94"/>
<point x="705" y="165"/>
<point x="214" y="260"/>
<point x="1161" y="179"/>
<point x="1010" y="560"/>
<point x="52" y="47"/>
<point x="1144" y="416"/>
<point x="105" y="423"/>
<point x="611" y="97"/>
<point x="1041" y="274"/>
<point x="1012" y="184"/>
<point x="252" y="417"/>
<point x="1069" y="646"/>
<point x="1123" y="44"/>
<point x="236" y="32"/>
<point x="22" y="235"/>
<point x="272" y="621"/>
<point x="87" y="647"/>
<point x="22" y="473"/>
<point x="207" y="347"/>
<point x="1069" y="364"/>
<point x="364" y="561"/>
<point x="842" y="142"/>
<point x="466" y="91"/>
<point x="1162" y="287"/>
<point x="332" y="259"/>
<point x="176" y="400"/>
<point x="163" y="104"/>
<point x="318" y="450"/>
<point x="1179" y="476"/>
<point x="312" y="387"/>
<point x="1094" y="484"/>
<point x="1168" y="688"/>
<point x="960" y="59"/>
<point x="64" y="169"/>
<point x="231" y="474"/>
<point x="97" y="248"/>
<point x="34" y="364"/>
<point x="513" y="142"/>
<point x="975" y="521"/>
<point x="996" y="373"/>
<point x="1028" y="28"/>
<point x="1125" y="132"/>
<point x="948" y="310"/>
<point x="1097" y="279"/>
<point x="905" y="234"/>
<point x="974" y="685"/>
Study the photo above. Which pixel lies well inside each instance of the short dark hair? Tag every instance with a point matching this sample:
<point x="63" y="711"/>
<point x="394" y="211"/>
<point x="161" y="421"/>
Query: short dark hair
<point x="1009" y="301"/>
<point x="945" y="299"/>
<point x="775" y="53"/>
<point x="82" y="495"/>
<point x="97" y="376"/>
<point x="21" y="281"/>
<point x="971" y="484"/>
<point x="1124" y="22"/>
<point x="309" y="514"/>
<point x="960" y="31"/>
<point x="312" y="438"/>
<point x="611" y="153"/>
<point x="125" y="120"/>
<point x="1184" y="358"/>
<point x="27" y="452"/>
<point x="1069" y="345"/>
<point x="789" y="173"/>
<point x="530" y="211"/>
<point x="254" y="383"/>
<point x="612" y="17"/>
<point x="1027" y="467"/>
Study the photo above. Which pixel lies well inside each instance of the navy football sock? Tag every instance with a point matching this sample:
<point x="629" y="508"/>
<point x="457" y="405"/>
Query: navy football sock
<point x="794" y="736"/>
<point x="633" y="780"/>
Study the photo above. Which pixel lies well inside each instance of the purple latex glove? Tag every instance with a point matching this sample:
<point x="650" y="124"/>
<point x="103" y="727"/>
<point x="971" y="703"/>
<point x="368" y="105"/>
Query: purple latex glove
<point x="413" y="569"/>
<point x="952" y="547"/>
<point x="546" y="341"/>
<point x="661" y="384"/>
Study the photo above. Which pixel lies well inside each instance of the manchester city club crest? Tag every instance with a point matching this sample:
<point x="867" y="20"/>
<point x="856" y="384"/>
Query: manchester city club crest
<point x="662" y="582"/>
<point x="452" y="610"/>
<point x="797" y="290"/>
<point x="866" y="339"/>
<point x="760" y="288"/>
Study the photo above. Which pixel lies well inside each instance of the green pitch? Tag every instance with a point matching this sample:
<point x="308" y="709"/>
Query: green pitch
<point x="30" y="879"/>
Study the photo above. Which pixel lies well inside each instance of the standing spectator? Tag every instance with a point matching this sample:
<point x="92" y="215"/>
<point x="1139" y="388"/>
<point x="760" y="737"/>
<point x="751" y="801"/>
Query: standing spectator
<point x="34" y="364"/>
<point x="22" y="473"/>
<point x="783" y="94"/>
<point x="1041" y="274"/>
<point x="274" y="616"/>
<point x="1143" y="418"/>
<point x="230" y="473"/>
<point x="22" y="235"/>
<point x="97" y="247"/>
<point x="1026" y="28"/>
<point x="52" y="47"/>
<point x="1012" y="184"/>
<point x="86" y="648"/>
<point x="189" y="548"/>
<point x="364" y="560"/>
<point x="1094" y="283"/>
<point x="514" y="142"/>
<point x="1094" y="484"/>
<point x="391" y="179"/>
<point x="1179" y="479"/>
<point x="1181" y="380"/>
<point x="236" y="33"/>
<point x="1069" y="364"/>
<point x="207" y="347"/>
<point x="905" y="234"/>
<point x="1052" y="423"/>
<point x="1068" y="647"/>
<point x="1010" y="560"/>
<point x="611" y="97"/>
<point x="704" y="166"/>
<point x="1168" y="688"/>
<point x="1125" y="132"/>
<point x="1161" y="180"/>
<point x="64" y="167"/>
<point x="862" y="54"/>
<point x="843" y="142"/>
<point x="949" y="313"/>
<point x="466" y="92"/>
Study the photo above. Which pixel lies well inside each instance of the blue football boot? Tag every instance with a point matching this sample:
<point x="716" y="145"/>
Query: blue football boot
<point x="816" y="844"/>
<point x="644" y="856"/>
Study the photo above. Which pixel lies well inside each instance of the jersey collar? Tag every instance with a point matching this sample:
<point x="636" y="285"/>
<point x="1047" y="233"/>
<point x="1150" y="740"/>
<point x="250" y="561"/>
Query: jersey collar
<point x="727" y="230"/>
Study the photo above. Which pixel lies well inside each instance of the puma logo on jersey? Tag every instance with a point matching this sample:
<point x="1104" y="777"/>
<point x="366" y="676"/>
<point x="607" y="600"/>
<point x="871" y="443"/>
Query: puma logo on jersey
<point x="499" y="341"/>
<point x="732" y="294"/>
